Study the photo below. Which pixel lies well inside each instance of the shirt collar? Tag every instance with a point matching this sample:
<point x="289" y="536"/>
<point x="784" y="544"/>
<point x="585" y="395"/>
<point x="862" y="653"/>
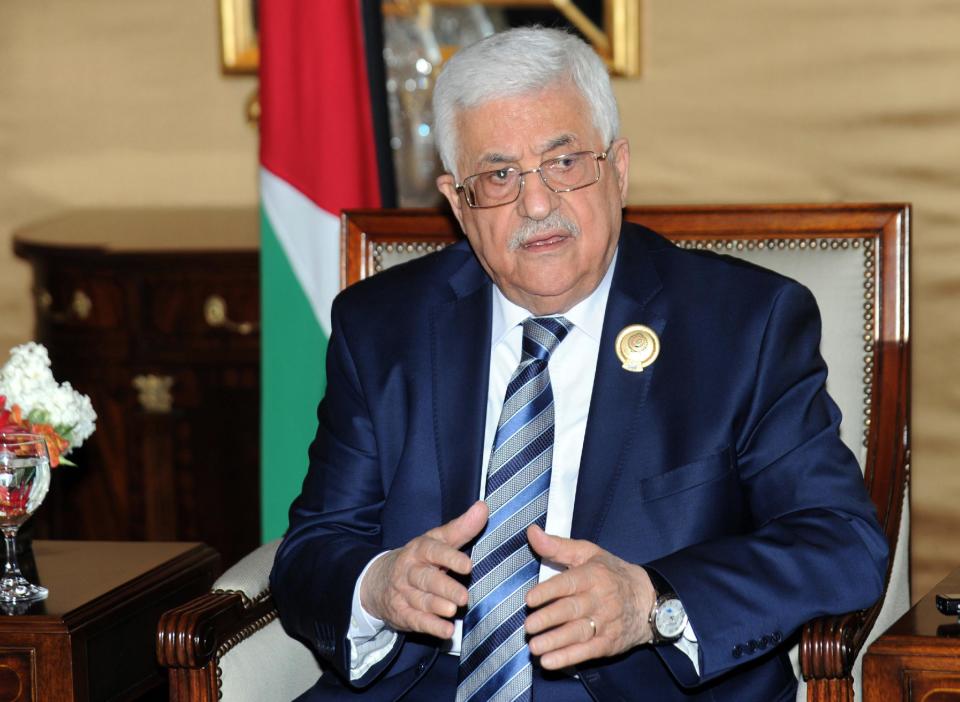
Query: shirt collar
<point x="586" y="315"/>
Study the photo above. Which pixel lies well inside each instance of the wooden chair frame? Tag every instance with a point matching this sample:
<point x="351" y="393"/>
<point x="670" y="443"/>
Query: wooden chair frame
<point x="192" y="637"/>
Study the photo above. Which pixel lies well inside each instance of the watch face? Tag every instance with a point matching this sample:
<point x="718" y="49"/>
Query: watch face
<point x="671" y="618"/>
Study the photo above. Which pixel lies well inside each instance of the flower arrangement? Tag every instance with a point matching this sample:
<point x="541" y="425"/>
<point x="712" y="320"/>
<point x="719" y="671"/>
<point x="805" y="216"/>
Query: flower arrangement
<point x="32" y="401"/>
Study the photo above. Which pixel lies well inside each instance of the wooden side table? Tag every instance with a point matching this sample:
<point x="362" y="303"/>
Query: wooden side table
<point x="94" y="637"/>
<point x="918" y="658"/>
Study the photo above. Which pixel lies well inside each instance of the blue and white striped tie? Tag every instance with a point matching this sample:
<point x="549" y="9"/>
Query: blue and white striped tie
<point x="494" y="657"/>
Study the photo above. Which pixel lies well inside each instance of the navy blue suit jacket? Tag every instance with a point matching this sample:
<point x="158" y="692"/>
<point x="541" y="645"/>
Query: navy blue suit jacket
<point x="719" y="466"/>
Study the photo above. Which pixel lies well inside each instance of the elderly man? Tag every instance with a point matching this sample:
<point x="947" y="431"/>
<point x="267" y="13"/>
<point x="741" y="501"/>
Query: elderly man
<point x="568" y="461"/>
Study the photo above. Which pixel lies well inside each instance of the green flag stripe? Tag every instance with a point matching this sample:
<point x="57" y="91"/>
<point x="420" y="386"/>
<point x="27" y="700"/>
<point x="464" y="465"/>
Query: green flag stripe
<point x="292" y="381"/>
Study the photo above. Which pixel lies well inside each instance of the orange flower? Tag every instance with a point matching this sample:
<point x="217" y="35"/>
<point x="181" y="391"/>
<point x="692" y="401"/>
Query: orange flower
<point x="55" y="444"/>
<point x="12" y="420"/>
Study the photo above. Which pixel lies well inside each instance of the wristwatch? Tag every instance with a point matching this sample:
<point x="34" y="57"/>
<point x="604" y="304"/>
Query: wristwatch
<point x="668" y="618"/>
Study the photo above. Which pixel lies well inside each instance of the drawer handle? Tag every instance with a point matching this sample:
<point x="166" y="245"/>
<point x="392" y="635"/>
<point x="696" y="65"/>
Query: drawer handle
<point x="215" y="315"/>
<point x="80" y="306"/>
<point x="153" y="392"/>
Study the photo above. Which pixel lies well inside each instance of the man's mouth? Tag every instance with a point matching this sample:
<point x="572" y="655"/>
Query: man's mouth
<point x="545" y="234"/>
<point x="545" y="240"/>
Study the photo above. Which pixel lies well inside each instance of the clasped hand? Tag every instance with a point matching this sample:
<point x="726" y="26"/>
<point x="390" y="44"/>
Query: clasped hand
<point x="595" y="608"/>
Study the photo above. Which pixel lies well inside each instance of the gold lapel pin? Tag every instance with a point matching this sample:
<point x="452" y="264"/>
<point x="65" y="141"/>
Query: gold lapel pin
<point x="637" y="347"/>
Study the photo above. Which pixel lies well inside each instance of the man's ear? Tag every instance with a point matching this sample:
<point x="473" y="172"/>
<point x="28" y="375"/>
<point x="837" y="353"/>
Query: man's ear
<point x="447" y="185"/>
<point x="621" y="163"/>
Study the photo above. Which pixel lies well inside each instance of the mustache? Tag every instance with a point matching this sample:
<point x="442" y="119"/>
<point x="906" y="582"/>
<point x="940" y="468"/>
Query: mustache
<point x="531" y="228"/>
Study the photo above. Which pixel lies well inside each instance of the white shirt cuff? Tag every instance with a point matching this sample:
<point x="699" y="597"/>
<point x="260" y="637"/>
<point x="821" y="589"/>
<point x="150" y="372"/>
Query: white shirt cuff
<point x="690" y="646"/>
<point x="370" y="638"/>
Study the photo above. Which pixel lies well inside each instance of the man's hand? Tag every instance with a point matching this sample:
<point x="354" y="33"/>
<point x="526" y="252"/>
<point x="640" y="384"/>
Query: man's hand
<point x="597" y="587"/>
<point x="409" y="588"/>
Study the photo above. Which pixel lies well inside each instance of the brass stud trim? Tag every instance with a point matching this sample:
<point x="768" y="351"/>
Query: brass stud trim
<point x="380" y="251"/>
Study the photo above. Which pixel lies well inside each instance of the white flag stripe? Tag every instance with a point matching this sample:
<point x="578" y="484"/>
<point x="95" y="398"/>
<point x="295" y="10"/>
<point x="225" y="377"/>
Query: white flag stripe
<point x="310" y="237"/>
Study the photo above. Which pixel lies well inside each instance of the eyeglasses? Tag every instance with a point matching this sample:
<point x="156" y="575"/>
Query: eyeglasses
<point x="504" y="185"/>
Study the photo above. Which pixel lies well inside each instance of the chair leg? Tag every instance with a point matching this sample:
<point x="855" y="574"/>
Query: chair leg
<point x="830" y="690"/>
<point x="197" y="685"/>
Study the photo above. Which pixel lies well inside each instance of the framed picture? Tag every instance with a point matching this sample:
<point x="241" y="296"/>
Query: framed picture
<point x="239" y="46"/>
<point x="614" y="27"/>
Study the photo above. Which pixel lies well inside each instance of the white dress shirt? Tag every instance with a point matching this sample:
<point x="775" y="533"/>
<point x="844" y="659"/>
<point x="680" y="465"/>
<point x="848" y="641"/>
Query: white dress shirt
<point x="572" y="367"/>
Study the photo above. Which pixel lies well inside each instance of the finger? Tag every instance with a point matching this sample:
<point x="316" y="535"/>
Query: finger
<point x="431" y="624"/>
<point x="435" y="604"/>
<point x="442" y="555"/>
<point x="564" y="610"/>
<point x="460" y="531"/>
<point x="568" y="552"/>
<point x="565" y="584"/>
<point x="574" y="632"/>
<point x="573" y="654"/>
<point x="429" y="580"/>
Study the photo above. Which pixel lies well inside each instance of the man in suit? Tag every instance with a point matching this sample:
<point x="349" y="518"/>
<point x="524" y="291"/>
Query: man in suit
<point x="665" y="497"/>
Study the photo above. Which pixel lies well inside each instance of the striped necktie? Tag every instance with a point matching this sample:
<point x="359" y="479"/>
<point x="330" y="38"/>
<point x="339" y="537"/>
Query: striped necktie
<point x="494" y="657"/>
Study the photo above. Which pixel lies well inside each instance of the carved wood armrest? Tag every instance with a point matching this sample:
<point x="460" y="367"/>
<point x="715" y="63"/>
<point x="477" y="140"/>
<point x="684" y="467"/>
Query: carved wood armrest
<point x="828" y="649"/>
<point x="190" y="636"/>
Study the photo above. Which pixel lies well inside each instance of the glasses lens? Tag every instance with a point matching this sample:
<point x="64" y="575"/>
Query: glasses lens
<point x="493" y="187"/>
<point x="561" y="174"/>
<point x="571" y="171"/>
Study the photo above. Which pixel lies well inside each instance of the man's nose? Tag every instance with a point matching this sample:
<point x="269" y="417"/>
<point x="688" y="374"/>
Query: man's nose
<point x="536" y="200"/>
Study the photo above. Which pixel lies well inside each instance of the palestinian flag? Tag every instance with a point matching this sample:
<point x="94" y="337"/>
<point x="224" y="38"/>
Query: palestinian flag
<point x="323" y="114"/>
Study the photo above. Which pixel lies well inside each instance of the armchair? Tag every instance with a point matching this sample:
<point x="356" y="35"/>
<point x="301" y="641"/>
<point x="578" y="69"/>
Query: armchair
<point x="855" y="258"/>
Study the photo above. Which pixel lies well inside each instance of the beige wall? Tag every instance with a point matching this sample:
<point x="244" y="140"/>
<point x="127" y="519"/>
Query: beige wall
<point x="112" y="103"/>
<point x="107" y="102"/>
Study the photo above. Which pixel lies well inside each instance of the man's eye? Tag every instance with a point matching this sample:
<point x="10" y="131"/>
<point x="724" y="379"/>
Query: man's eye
<point x="563" y="163"/>
<point x="499" y="177"/>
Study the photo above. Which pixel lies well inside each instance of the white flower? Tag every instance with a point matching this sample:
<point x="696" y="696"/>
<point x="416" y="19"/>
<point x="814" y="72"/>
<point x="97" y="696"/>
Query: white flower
<point x="26" y="380"/>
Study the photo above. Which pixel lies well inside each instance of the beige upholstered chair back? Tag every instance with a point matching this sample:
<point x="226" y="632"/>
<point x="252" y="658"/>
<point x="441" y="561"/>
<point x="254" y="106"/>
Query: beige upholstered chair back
<point x="854" y="258"/>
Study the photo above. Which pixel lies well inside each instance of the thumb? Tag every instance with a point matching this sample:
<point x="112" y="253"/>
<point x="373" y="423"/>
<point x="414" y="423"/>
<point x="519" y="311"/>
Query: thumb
<point x="568" y="552"/>
<point x="464" y="528"/>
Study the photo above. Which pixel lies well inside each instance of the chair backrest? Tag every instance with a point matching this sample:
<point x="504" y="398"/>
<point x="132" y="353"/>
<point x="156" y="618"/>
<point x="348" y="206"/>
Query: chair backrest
<point x="855" y="260"/>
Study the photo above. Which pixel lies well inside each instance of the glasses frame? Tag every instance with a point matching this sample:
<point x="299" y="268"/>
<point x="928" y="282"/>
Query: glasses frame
<point x="597" y="158"/>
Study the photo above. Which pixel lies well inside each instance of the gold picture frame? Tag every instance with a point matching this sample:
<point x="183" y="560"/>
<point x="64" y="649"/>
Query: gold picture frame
<point x="619" y="41"/>
<point x="239" y="43"/>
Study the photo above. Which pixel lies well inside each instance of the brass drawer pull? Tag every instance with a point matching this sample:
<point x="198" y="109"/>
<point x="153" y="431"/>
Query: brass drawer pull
<point x="153" y="392"/>
<point x="215" y="315"/>
<point x="80" y="306"/>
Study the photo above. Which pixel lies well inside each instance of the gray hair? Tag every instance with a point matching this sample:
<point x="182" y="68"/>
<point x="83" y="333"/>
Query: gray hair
<point x="517" y="61"/>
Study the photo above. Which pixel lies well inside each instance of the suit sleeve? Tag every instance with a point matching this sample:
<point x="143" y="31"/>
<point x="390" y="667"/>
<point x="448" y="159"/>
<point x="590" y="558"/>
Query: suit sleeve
<point x="335" y="522"/>
<point x="815" y="546"/>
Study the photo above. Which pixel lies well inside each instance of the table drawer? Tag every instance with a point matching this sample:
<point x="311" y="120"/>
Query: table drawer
<point x="75" y="299"/>
<point x="212" y="311"/>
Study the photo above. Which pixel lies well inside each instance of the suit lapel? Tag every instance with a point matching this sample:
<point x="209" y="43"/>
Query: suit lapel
<point x="618" y="395"/>
<point x="460" y="356"/>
